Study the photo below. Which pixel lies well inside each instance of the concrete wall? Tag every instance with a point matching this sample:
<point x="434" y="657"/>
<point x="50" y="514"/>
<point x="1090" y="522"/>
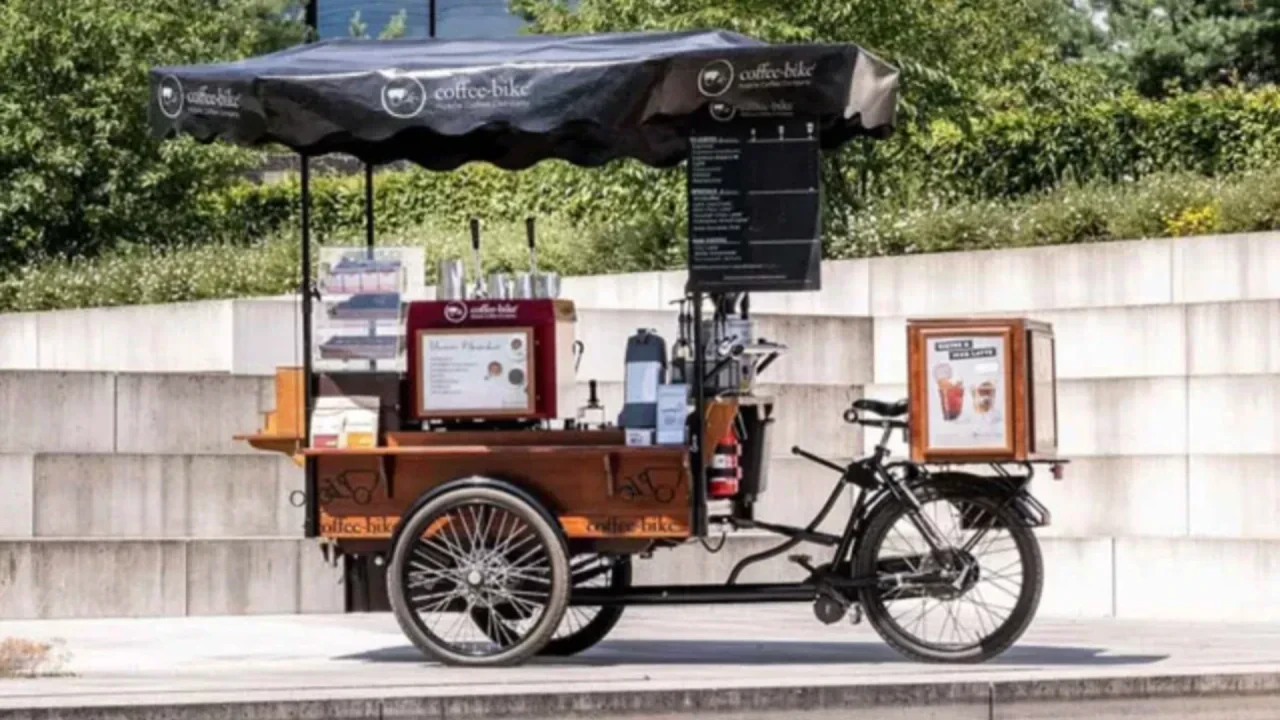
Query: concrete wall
<point x="144" y="578"/>
<point x="150" y="496"/>
<point x="101" y="412"/>
<point x="1169" y="366"/>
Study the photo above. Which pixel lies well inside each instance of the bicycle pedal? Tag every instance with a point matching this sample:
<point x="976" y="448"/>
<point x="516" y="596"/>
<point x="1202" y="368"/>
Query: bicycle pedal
<point x="855" y="614"/>
<point x="803" y="561"/>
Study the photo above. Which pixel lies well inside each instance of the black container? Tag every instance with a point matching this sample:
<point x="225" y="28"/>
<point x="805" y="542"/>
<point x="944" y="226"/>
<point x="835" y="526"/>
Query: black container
<point x="757" y="424"/>
<point x="646" y="369"/>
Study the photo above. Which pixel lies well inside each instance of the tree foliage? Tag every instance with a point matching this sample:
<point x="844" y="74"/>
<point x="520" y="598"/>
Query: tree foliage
<point x="1161" y="45"/>
<point x="78" y="171"/>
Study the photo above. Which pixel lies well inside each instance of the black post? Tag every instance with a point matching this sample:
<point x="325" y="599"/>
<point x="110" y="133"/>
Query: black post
<point x="368" y="238"/>
<point x="431" y="18"/>
<point x="313" y="505"/>
<point x="368" y="208"/>
<point x="699" y="423"/>
<point x="310" y="18"/>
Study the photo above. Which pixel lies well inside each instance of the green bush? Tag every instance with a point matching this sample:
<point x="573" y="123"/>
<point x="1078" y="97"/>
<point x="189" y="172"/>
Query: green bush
<point x="141" y="275"/>
<point x="1026" y="150"/>
<point x="1158" y="206"/>
<point x="1009" y="154"/>
<point x="1161" y="205"/>
<point x="623" y="197"/>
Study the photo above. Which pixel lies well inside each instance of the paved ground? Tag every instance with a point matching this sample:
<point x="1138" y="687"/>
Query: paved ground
<point x="704" y="658"/>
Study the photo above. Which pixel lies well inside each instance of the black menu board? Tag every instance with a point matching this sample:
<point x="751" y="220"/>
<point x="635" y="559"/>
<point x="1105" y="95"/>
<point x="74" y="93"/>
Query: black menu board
<point x="754" y="206"/>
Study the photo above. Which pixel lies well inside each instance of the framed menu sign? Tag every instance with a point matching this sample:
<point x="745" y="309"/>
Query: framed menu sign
<point x="981" y="390"/>
<point x="475" y="372"/>
<point x="754" y="191"/>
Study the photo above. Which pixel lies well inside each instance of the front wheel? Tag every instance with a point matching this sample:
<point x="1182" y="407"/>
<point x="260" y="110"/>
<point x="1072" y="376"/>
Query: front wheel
<point x="466" y="560"/>
<point x="966" y="604"/>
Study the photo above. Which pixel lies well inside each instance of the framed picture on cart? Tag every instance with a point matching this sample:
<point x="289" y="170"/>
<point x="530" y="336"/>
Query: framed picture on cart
<point x="981" y="390"/>
<point x="476" y="372"/>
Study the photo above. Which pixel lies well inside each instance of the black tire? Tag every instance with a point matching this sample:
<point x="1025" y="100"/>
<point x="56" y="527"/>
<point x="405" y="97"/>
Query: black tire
<point x="570" y="638"/>
<point x="984" y="512"/>
<point x="582" y="626"/>
<point x="459" y="568"/>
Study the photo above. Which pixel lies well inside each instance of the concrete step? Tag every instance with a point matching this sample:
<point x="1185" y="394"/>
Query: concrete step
<point x="215" y="496"/>
<point x="93" y="578"/>
<point x="1147" y="341"/>
<point x="150" y="496"/>
<point x="1193" y="579"/>
<point x="1132" y="578"/>
<point x="177" y="413"/>
<point x="93" y="412"/>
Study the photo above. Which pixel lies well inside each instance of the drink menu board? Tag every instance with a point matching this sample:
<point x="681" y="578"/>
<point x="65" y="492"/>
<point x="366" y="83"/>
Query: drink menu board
<point x="754" y="206"/>
<point x="476" y="372"/>
<point x="967" y="399"/>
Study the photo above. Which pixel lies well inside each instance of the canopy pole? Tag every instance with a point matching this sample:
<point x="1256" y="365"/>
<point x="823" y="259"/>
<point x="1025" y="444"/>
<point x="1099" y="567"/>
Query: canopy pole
<point x="368" y="208"/>
<point x="699" y="423"/>
<point x="368" y="239"/>
<point x="308" y="387"/>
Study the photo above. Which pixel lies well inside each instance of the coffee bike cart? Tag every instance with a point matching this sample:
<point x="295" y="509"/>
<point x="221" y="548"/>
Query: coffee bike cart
<point x="507" y="526"/>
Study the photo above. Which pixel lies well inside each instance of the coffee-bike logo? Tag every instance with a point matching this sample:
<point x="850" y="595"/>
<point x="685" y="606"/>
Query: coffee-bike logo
<point x="169" y="97"/>
<point x="724" y="112"/>
<point x="767" y="72"/>
<point x="455" y="312"/>
<point x="173" y="99"/>
<point x="406" y="97"/>
<point x="403" y="97"/>
<point x="715" y="78"/>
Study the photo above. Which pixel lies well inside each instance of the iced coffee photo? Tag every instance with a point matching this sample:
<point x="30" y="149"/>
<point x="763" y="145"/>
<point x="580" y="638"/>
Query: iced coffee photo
<point x="951" y="392"/>
<point x="984" y="397"/>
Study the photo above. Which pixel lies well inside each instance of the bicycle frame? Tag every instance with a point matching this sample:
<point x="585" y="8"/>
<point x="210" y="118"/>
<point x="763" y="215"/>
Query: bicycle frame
<point x="877" y="485"/>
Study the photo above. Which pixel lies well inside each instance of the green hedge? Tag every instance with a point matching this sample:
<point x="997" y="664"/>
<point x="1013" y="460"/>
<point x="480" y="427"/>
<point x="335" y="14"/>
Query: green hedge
<point x="1008" y="154"/>
<point x="619" y="197"/>
<point x="1025" y="150"/>
<point x="1162" y="205"/>
<point x="1157" y="206"/>
<point x="142" y="275"/>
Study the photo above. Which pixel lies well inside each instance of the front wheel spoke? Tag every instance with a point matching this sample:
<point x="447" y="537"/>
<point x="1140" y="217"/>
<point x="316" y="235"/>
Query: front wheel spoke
<point x="535" y="577"/>
<point x="423" y="551"/>
<point x="518" y="531"/>
<point x="428" y="597"/>
<point x="463" y="550"/>
<point x="441" y="604"/>
<point x="451" y="548"/>
<point x="463" y="617"/>
<point x="523" y="604"/>
<point x="440" y="545"/>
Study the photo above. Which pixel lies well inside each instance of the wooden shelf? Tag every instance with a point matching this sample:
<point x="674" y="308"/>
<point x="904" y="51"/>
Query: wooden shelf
<point x="455" y="450"/>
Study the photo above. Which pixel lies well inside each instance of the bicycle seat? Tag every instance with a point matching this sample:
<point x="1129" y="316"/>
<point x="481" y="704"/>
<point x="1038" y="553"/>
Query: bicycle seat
<point x="883" y="409"/>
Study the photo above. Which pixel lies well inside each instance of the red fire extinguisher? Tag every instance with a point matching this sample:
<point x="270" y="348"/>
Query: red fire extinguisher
<point x="726" y="470"/>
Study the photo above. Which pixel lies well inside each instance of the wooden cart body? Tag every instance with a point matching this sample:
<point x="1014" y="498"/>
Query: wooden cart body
<point x="604" y="493"/>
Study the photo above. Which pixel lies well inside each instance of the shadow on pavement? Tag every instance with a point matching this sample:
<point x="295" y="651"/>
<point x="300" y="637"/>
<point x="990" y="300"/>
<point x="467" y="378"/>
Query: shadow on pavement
<point x="744" y="652"/>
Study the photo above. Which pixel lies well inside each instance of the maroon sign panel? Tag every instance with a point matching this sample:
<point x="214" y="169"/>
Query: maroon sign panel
<point x="483" y="358"/>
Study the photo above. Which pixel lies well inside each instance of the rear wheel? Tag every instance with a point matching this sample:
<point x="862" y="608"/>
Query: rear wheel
<point x="469" y="557"/>
<point x="583" y="626"/>
<point x="967" y="604"/>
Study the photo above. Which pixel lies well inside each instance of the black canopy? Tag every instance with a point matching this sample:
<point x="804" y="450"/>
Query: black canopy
<point x="514" y="101"/>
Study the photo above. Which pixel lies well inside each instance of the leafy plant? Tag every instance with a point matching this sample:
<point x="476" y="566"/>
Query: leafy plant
<point x="1156" y="206"/>
<point x="79" y="172"/>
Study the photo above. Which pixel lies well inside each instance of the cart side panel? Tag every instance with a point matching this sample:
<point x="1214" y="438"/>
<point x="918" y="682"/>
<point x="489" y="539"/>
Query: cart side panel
<point x="601" y="495"/>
